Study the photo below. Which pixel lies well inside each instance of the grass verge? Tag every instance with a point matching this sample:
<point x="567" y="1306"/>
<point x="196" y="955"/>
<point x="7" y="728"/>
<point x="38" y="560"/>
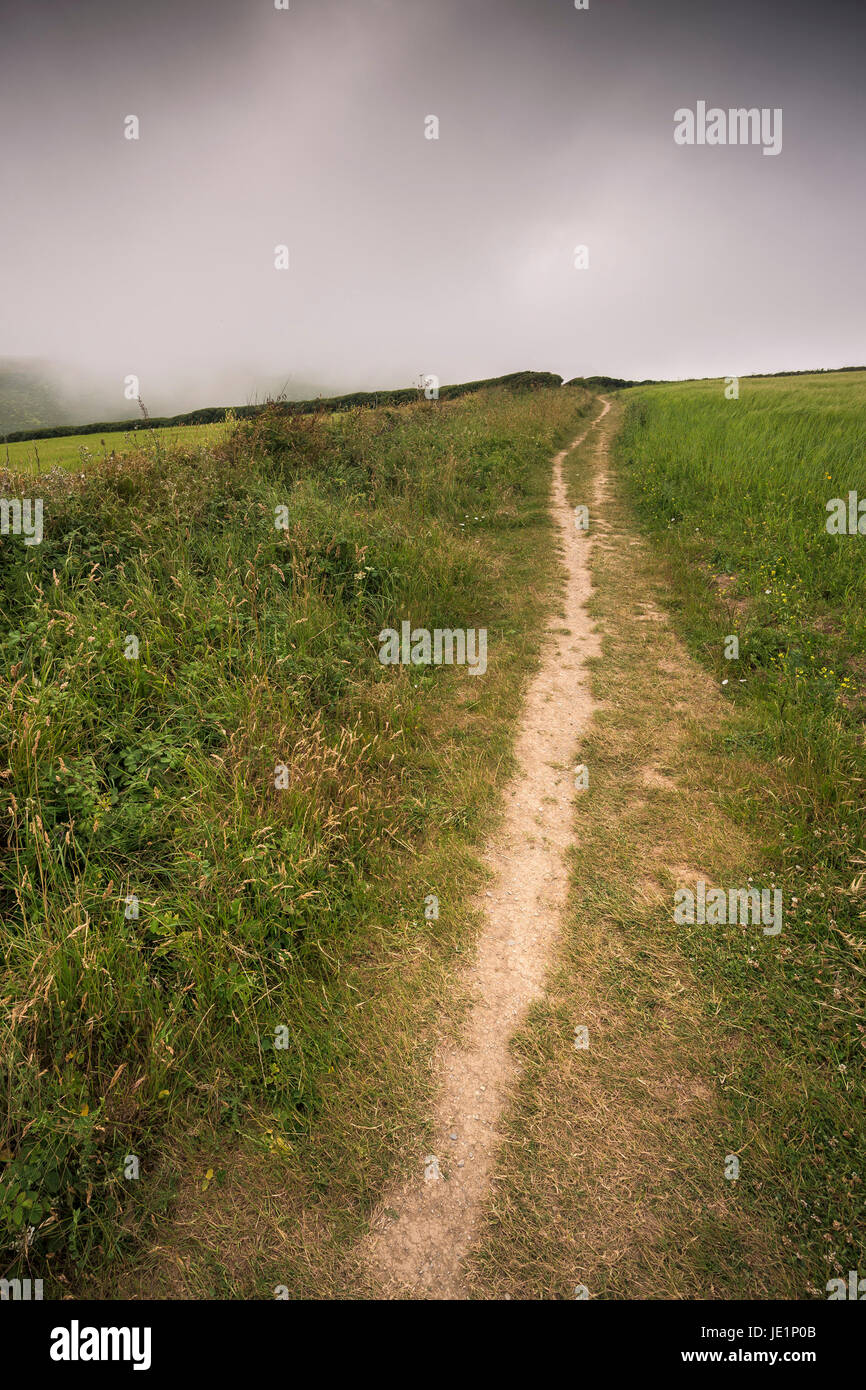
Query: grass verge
<point x="206" y="1098"/>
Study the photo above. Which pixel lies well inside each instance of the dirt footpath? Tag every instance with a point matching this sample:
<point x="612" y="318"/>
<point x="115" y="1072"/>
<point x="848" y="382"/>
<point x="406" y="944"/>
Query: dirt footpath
<point x="419" y="1252"/>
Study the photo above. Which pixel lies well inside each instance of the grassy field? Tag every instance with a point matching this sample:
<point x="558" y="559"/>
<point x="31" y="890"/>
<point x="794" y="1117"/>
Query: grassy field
<point x="81" y="451"/>
<point x="264" y="1022"/>
<point x="735" y="494"/>
<point x="707" y="1042"/>
<point x="208" y="1098"/>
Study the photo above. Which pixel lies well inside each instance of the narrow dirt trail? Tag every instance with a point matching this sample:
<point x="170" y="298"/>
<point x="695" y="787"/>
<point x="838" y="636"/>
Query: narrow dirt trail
<point x="419" y="1252"/>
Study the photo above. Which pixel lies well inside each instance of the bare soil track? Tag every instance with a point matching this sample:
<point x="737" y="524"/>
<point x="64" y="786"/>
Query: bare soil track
<point x="421" y="1234"/>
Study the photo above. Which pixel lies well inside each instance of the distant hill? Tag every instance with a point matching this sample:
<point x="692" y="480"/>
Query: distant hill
<point x="214" y="414"/>
<point x="609" y="383"/>
<point x="40" y="397"/>
<point x="29" y="398"/>
<point x="810" y="371"/>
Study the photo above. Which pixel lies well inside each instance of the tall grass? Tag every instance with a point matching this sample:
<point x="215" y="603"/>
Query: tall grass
<point x="154" y="778"/>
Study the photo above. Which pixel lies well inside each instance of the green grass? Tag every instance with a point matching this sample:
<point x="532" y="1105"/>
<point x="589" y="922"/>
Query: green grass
<point x="736" y="491"/>
<point x="259" y="908"/>
<point x="81" y="451"/>
<point x="704" y="1042"/>
<point x="743" y="486"/>
<point x="734" y="495"/>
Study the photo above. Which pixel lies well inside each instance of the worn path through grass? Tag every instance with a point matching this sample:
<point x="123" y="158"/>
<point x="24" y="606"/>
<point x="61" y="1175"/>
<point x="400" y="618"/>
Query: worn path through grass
<point x="422" y="1233"/>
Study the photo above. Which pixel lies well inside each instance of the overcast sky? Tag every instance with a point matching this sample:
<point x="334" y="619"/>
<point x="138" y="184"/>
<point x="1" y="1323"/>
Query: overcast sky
<point x="261" y="127"/>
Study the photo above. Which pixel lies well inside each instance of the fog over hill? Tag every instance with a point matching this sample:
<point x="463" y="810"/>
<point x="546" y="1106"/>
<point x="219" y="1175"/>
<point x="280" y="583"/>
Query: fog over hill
<point x="36" y="393"/>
